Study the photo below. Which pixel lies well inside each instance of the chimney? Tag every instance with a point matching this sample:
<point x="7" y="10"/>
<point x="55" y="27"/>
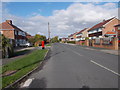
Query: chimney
<point x="9" y="21"/>
<point x="103" y="20"/>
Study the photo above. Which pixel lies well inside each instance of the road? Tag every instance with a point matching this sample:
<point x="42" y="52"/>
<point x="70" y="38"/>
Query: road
<point x="70" y="66"/>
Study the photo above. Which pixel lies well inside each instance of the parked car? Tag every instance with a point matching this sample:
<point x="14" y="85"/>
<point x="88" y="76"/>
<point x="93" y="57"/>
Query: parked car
<point x="25" y="45"/>
<point x="28" y="44"/>
<point x="22" y="45"/>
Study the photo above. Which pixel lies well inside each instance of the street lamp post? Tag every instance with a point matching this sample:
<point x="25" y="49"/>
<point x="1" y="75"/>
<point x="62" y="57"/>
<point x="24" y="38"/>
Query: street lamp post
<point x="48" y="32"/>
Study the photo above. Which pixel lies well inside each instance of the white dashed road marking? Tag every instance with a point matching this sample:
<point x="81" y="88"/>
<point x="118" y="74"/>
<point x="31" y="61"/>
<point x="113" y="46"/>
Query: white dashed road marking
<point x="105" y="67"/>
<point x="27" y="83"/>
<point x="77" y="53"/>
<point x="74" y="51"/>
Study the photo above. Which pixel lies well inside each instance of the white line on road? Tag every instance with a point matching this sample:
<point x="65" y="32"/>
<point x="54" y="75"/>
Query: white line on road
<point x="105" y="67"/>
<point x="27" y="83"/>
<point x="77" y="53"/>
<point x="74" y="51"/>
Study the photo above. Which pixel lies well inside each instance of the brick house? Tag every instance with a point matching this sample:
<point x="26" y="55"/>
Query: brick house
<point x="74" y="36"/>
<point x="103" y="29"/>
<point x="79" y="35"/>
<point x="70" y="37"/>
<point x="64" y="39"/>
<point x="117" y="29"/>
<point x="15" y="34"/>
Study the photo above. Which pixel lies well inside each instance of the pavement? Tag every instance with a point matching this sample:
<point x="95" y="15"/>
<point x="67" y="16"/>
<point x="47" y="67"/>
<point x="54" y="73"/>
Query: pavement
<point x="69" y="66"/>
<point x="30" y="49"/>
<point x="21" y="48"/>
<point x="8" y="60"/>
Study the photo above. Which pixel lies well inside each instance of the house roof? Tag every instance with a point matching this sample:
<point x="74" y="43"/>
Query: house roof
<point x="81" y="31"/>
<point x="100" y="24"/>
<point x="78" y="36"/>
<point x="71" y="35"/>
<point x="27" y="34"/>
<point x="110" y="33"/>
<point x="64" y="38"/>
<point x="7" y="26"/>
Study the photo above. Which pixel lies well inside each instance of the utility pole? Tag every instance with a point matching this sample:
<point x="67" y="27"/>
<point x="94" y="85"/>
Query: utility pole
<point x="48" y="31"/>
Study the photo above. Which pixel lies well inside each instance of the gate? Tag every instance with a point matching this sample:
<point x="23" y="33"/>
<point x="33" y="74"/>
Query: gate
<point x="90" y="42"/>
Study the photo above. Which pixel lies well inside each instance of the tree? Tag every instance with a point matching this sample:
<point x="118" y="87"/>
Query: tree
<point x="31" y="40"/>
<point x="37" y="38"/>
<point x="55" y="39"/>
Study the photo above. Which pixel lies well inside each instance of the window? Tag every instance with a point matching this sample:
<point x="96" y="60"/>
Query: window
<point x="23" y="34"/>
<point x="107" y="41"/>
<point x="15" y="32"/>
<point x="99" y="29"/>
<point x="94" y="31"/>
<point x="118" y="28"/>
<point x="16" y="40"/>
<point x="97" y="41"/>
<point x="113" y="30"/>
<point x="19" y="33"/>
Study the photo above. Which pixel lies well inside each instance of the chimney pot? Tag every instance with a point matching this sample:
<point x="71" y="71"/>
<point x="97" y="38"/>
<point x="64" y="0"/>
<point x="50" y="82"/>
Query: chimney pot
<point x="9" y="21"/>
<point x="103" y="20"/>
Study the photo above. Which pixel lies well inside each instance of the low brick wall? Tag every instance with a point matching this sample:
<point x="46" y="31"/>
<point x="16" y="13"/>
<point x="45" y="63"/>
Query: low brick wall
<point x="113" y="45"/>
<point x="80" y="42"/>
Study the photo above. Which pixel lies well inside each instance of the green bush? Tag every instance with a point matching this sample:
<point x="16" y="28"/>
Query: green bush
<point x="73" y="42"/>
<point x="63" y="41"/>
<point x="86" y="38"/>
<point x="83" y="43"/>
<point x="7" y="48"/>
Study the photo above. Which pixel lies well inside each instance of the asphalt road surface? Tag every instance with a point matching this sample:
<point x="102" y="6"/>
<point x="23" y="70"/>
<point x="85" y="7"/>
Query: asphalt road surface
<point x="75" y="67"/>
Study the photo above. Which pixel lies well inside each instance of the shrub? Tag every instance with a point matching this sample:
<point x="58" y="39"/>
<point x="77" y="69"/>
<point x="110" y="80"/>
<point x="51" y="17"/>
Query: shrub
<point x="73" y="42"/>
<point x="86" y="38"/>
<point x="7" y="48"/>
<point x="83" y="43"/>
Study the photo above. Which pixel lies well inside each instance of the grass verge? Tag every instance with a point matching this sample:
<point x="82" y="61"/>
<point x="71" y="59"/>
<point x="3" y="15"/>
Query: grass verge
<point x="49" y="44"/>
<point x="23" y="65"/>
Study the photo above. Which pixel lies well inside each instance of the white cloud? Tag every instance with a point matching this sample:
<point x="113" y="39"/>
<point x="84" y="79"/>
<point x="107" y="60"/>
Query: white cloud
<point x="64" y="22"/>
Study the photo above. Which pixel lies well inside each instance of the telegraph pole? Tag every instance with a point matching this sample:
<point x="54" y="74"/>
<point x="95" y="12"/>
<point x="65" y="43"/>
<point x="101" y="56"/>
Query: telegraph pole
<point x="48" y="31"/>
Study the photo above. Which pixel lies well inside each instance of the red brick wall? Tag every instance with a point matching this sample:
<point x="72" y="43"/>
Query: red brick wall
<point x="8" y="33"/>
<point x="116" y="29"/>
<point x="114" y="45"/>
<point x="80" y="43"/>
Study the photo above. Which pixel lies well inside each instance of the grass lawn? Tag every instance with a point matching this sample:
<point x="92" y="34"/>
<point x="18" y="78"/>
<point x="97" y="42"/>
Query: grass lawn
<point x="49" y="44"/>
<point x="23" y="65"/>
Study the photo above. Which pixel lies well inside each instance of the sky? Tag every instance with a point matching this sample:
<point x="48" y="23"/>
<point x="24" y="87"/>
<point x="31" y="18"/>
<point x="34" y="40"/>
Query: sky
<point x="65" y="18"/>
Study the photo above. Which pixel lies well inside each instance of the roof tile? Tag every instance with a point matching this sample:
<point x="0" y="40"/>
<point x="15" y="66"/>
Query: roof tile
<point x="100" y="24"/>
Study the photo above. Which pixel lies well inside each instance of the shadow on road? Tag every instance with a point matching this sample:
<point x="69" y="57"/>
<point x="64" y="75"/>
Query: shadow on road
<point x="51" y="55"/>
<point x="38" y="83"/>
